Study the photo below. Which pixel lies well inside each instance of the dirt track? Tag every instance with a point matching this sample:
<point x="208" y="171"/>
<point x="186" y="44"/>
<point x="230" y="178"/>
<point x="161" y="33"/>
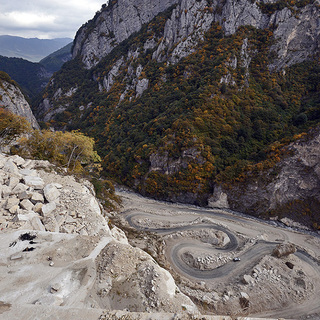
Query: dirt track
<point x="213" y="277"/>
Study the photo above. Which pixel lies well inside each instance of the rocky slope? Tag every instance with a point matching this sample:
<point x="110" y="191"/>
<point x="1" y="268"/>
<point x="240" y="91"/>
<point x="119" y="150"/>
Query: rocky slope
<point x="295" y="29"/>
<point x="12" y="99"/>
<point x="58" y="252"/>
<point x="289" y="190"/>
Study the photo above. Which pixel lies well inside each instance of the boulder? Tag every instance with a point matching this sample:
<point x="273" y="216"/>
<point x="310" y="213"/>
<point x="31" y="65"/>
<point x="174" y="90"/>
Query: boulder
<point x="14" y="209"/>
<point x="24" y="195"/>
<point x="13" y="181"/>
<point x="19" y="188"/>
<point x="13" y="201"/>
<point x="247" y="279"/>
<point x="34" y="182"/>
<point x="27" y="163"/>
<point x="26" y="204"/>
<point x="38" y="207"/>
<point x="37" y="197"/>
<point x="51" y="192"/>
<point x="48" y="208"/>
<point x="17" y="160"/>
<point x="28" y="172"/>
<point x="11" y="167"/>
<point x="5" y="191"/>
<point x="37" y="224"/>
<point x="50" y="223"/>
<point x="283" y="250"/>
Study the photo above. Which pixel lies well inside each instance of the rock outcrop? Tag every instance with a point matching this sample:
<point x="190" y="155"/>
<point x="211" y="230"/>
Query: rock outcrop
<point x="283" y="250"/>
<point x="296" y="30"/>
<point x="55" y="224"/>
<point x="289" y="189"/>
<point x="12" y="99"/>
<point x="114" y="24"/>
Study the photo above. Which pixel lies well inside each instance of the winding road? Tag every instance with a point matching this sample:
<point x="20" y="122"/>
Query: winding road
<point x="166" y="219"/>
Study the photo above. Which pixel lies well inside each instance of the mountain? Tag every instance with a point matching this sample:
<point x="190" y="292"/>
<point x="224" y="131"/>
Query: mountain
<point x="12" y="99"/>
<point x="187" y="96"/>
<point x="31" y="76"/>
<point x="33" y="49"/>
<point x="54" y="61"/>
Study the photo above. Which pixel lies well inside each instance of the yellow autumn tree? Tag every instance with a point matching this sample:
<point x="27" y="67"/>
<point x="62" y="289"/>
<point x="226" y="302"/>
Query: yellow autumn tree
<point x="68" y="149"/>
<point x="11" y="127"/>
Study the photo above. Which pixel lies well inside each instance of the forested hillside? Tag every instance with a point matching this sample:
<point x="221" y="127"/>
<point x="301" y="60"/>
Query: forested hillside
<point x="173" y="124"/>
<point x="31" y="76"/>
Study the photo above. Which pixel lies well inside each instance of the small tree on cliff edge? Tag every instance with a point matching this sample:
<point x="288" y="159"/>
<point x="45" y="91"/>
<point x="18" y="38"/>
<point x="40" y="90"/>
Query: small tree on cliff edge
<point x="69" y="149"/>
<point x="11" y="127"/>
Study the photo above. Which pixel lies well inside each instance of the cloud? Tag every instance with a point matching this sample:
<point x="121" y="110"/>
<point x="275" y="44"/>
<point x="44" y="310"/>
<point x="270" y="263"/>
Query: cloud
<point x="45" y="18"/>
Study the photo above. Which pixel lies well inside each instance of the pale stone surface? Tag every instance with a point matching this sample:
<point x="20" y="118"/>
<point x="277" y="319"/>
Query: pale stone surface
<point x="13" y="201"/>
<point x="26" y="204"/>
<point x="125" y="18"/>
<point x="37" y="197"/>
<point x="51" y="193"/>
<point x="17" y="160"/>
<point x="38" y="207"/>
<point x="35" y="182"/>
<point x="28" y="172"/>
<point x="13" y="181"/>
<point x="48" y="208"/>
<point x="12" y="99"/>
<point x="19" y="188"/>
<point x="11" y="167"/>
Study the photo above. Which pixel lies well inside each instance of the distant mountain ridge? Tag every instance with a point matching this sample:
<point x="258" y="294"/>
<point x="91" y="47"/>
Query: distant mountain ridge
<point x="32" y="49"/>
<point x="55" y="60"/>
<point x="34" y="76"/>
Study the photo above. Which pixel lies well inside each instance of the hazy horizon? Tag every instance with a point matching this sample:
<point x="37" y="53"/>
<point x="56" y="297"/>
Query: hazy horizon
<point x="44" y="19"/>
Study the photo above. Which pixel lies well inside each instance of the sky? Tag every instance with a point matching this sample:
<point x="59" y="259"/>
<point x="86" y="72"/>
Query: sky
<point x="46" y="19"/>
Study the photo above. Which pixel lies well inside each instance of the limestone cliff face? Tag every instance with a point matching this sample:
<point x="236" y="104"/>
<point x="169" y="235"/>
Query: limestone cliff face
<point x="291" y="188"/>
<point x="12" y="99"/>
<point x="115" y="80"/>
<point x="296" y="31"/>
<point x="114" y="24"/>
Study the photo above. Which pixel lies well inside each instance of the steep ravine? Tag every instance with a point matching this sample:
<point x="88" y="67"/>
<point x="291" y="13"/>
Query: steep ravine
<point x="176" y="92"/>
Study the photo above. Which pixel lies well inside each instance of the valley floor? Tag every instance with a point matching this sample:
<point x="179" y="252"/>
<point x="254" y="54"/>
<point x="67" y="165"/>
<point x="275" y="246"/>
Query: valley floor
<point x="228" y="263"/>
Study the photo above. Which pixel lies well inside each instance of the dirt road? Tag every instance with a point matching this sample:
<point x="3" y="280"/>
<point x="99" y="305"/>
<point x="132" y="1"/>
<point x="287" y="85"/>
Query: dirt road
<point x="273" y="288"/>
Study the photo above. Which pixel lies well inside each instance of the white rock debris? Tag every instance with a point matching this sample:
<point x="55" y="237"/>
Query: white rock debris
<point x="56" y="249"/>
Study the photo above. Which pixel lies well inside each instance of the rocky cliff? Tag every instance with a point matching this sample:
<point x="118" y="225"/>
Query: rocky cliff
<point x="295" y="28"/>
<point x="112" y="25"/>
<point x="12" y="99"/>
<point x="289" y="190"/>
